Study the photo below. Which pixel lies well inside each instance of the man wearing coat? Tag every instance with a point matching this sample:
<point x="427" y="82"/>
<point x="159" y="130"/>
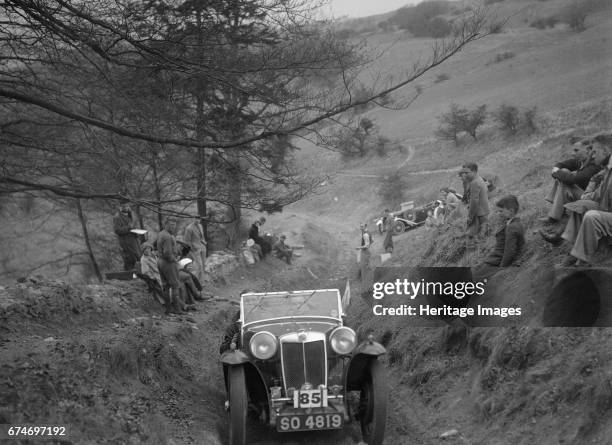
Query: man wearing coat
<point x="571" y="178"/>
<point x="194" y="238"/>
<point x="478" y="204"/>
<point x="123" y="223"/>
<point x="597" y="220"/>
<point x="168" y="263"/>
<point x="509" y="239"/>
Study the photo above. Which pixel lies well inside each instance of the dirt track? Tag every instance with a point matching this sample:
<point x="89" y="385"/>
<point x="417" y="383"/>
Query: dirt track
<point x="102" y="361"/>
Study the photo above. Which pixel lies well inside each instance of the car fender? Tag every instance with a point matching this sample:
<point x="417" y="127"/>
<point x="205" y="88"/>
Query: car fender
<point x="254" y="379"/>
<point x="235" y="357"/>
<point x="360" y="360"/>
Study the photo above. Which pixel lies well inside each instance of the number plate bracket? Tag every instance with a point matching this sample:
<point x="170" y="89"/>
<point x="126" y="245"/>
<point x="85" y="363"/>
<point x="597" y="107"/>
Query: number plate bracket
<point x="310" y="398"/>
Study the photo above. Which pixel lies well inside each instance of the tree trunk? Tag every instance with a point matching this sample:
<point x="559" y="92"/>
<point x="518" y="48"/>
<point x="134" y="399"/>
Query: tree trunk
<point x="160" y="222"/>
<point x="201" y="154"/>
<point x="235" y="198"/>
<point x="90" y="252"/>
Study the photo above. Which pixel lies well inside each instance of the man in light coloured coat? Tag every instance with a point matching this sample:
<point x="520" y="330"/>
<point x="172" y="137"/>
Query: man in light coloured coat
<point x="194" y="238"/>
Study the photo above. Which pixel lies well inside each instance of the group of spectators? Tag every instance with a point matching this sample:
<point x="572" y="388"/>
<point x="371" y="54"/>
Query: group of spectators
<point x="258" y="246"/>
<point x="509" y="236"/>
<point x="172" y="266"/>
<point x="581" y="198"/>
<point x="581" y="211"/>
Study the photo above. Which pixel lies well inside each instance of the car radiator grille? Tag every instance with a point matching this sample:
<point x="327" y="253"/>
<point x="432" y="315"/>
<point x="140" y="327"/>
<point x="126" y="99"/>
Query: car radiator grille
<point x="304" y="362"/>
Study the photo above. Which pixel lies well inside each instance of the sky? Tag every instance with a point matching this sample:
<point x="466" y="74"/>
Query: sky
<point x="362" y="8"/>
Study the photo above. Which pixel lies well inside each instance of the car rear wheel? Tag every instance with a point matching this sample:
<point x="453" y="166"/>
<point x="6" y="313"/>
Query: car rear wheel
<point x="238" y="404"/>
<point x="373" y="405"/>
<point x="398" y="227"/>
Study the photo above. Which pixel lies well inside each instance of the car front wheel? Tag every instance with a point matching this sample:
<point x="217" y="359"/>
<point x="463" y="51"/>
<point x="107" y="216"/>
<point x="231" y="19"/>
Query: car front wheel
<point x="238" y="404"/>
<point x="373" y="405"/>
<point x="398" y="227"/>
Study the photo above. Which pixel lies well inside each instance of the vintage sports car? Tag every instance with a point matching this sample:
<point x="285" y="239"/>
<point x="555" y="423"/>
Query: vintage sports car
<point x="295" y="366"/>
<point x="412" y="218"/>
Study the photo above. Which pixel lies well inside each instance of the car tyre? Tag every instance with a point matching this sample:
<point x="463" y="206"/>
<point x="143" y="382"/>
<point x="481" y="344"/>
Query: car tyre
<point x="373" y="405"/>
<point x="399" y="227"/>
<point x="238" y="405"/>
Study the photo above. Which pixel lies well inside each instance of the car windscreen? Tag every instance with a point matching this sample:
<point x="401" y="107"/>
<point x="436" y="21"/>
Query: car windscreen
<point x="321" y="303"/>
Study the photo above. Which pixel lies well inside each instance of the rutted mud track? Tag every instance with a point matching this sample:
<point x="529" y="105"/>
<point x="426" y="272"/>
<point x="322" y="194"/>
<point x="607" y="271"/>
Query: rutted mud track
<point x="100" y="359"/>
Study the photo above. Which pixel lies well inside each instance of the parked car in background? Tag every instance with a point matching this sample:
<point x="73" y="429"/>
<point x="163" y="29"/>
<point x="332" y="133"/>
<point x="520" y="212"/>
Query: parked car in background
<point x="414" y="217"/>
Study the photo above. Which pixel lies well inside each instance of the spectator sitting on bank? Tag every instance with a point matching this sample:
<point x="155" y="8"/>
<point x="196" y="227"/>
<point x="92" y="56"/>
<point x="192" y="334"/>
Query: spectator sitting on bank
<point x="431" y="222"/>
<point x="188" y="286"/>
<point x="184" y="250"/>
<point x="123" y="223"/>
<point x="149" y="271"/>
<point x="600" y="155"/>
<point x="571" y="177"/>
<point x="586" y="232"/>
<point x="283" y="251"/>
<point x="450" y="198"/>
<point x="439" y="211"/>
<point x="259" y="240"/>
<point x="509" y="239"/>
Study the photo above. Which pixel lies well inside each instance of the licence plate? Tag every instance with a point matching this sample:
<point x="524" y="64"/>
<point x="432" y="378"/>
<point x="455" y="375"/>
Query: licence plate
<point x="310" y="398"/>
<point x="305" y="422"/>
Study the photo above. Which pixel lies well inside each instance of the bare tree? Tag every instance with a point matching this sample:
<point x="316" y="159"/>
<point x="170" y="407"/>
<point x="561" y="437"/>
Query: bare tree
<point x="171" y="103"/>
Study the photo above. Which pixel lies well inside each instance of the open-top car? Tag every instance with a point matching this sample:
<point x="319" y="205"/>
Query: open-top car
<point x="413" y="217"/>
<point x="295" y="366"/>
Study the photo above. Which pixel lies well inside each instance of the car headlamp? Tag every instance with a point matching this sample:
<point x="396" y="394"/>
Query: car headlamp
<point x="343" y="340"/>
<point x="263" y="345"/>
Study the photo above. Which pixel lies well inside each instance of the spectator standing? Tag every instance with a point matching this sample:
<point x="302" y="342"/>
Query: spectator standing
<point x="194" y="238"/>
<point x="388" y="222"/>
<point x="168" y="263"/>
<point x="364" y="251"/>
<point x="123" y="223"/>
<point x="478" y="202"/>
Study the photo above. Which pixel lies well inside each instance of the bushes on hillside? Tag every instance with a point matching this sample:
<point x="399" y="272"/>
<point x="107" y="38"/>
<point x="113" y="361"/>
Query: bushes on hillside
<point x="544" y="22"/>
<point x="391" y="189"/>
<point x="362" y="138"/>
<point x="500" y="57"/>
<point x="509" y="118"/>
<point x="460" y="120"/>
<point x="441" y="78"/>
<point x="576" y="12"/>
<point x="424" y="19"/>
